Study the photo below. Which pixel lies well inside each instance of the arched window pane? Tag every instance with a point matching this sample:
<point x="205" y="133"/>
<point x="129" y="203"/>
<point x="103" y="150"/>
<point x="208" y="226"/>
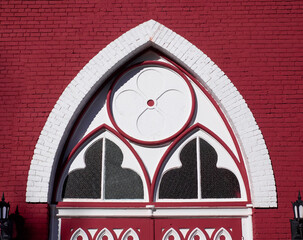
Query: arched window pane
<point x="120" y="183"/>
<point x="182" y="182"/>
<point x="215" y="182"/>
<point x="86" y="183"/>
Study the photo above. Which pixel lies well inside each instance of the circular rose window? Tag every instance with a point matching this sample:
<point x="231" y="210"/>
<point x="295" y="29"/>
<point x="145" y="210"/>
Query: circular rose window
<point x="150" y="103"/>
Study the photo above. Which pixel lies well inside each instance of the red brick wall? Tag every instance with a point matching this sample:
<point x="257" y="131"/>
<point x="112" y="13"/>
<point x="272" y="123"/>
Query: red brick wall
<point x="258" y="44"/>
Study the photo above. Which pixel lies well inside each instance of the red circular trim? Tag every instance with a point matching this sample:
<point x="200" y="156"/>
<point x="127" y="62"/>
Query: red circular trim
<point x="193" y="128"/>
<point x="90" y="135"/>
<point x="158" y="141"/>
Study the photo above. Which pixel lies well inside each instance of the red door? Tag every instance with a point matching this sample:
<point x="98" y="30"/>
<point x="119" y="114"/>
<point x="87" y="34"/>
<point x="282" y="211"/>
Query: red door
<point x="150" y="229"/>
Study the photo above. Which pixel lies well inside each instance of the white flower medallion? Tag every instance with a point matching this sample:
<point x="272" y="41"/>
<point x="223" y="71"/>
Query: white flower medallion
<point x="151" y="102"/>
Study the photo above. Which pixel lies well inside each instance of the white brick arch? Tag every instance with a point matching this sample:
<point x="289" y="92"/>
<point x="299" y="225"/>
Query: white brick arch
<point x="152" y="33"/>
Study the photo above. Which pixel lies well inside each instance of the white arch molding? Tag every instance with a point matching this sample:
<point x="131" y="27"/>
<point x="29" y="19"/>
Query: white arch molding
<point x="152" y="33"/>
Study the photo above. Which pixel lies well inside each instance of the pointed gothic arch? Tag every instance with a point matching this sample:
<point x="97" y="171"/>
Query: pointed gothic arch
<point x="76" y="178"/>
<point x="199" y="136"/>
<point x="105" y="63"/>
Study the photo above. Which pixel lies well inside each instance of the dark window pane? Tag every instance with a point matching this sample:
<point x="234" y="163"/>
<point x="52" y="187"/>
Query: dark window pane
<point x="182" y="182"/>
<point x="86" y="183"/>
<point x="216" y="182"/>
<point x="120" y="183"/>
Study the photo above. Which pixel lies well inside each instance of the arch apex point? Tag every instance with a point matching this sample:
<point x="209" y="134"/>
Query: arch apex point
<point x="151" y="21"/>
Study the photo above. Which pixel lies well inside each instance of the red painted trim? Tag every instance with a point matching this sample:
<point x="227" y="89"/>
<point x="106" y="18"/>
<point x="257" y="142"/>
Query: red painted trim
<point x="163" y="225"/>
<point x="208" y="95"/>
<point x="102" y="204"/>
<point x="150" y="229"/>
<point x="99" y="230"/>
<point x="165" y="230"/>
<point x="202" y="230"/>
<point x="157" y="63"/>
<point x="227" y="229"/>
<point x="205" y="204"/>
<point x="127" y="229"/>
<point x="70" y="225"/>
<point x="193" y="128"/>
<point x="145" y="204"/>
<point x="95" y="132"/>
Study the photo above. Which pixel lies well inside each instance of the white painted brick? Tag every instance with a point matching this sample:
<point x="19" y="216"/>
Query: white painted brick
<point x="159" y="35"/>
<point x="184" y="47"/>
<point x="167" y="39"/>
<point x="174" y="44"/>
<point x="156" y="32"/>
<point x="167" y="46"/>
<point x="194" y="59"/>
<point x="142" y="31"/>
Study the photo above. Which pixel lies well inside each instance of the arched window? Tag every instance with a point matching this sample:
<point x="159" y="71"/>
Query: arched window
<point x="103" y="168"/>
<point x="151" y="140"/>
<point x="200" y="169"/>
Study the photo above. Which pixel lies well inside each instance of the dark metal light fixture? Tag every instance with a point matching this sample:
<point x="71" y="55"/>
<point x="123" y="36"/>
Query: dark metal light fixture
<point x="4" y="209"/>
<point x="297" y="223"/>
<point x="5" y="225"/>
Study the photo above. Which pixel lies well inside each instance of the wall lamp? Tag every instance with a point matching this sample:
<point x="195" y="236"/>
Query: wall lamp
<point x="297" y="223"/>
<point x="11" y="226"/>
